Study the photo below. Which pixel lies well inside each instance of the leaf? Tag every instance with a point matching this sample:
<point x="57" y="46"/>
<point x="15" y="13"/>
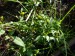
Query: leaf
<point x="47" y="38"/>
<point x="7" y="37"/>
<point x="37" y="3"/>
<point x="19" y="41"/>
<point x="52" y="38"/>
<point x="11" y="32"/>
<point x="39" y="39"/>
<point x="30" y="52"/>
<point x="11" y="0"/>
<point x="1" y="32"/>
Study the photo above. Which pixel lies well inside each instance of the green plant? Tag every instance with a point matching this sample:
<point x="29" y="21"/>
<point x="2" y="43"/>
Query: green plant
<point x="36" y="32"/>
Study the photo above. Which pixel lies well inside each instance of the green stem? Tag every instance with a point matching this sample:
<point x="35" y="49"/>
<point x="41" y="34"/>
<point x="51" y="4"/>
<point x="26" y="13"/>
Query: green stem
<point x="65" y="47"/>
<point x="67" y="13"/>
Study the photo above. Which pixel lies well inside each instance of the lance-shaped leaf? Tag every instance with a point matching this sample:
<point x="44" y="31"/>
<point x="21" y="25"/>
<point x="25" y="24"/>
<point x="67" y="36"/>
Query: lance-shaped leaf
<point x="18" y="41"/>
<point x="10" y="0"/>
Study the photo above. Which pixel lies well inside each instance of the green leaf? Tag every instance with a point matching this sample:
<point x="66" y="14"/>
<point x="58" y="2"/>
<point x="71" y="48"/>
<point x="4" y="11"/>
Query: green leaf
<point x="7" y="37"/>
<point x="47" y="38"/>
<point x="18" y="41"/>
<point x="11" y="0"/>
<point x="1" y="32"/>
<point x="30" y="52"/>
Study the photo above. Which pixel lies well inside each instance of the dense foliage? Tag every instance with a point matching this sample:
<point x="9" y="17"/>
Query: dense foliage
<point x="35" y="30"/>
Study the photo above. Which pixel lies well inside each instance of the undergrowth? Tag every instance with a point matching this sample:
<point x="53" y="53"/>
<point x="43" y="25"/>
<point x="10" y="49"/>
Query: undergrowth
<point x="38" y="31"/>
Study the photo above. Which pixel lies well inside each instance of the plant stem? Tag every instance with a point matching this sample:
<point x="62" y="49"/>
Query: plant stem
<point x="67" y="13"/>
